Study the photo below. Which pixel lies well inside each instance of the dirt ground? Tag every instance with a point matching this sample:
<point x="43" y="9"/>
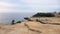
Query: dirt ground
<point x="32" y="27"/>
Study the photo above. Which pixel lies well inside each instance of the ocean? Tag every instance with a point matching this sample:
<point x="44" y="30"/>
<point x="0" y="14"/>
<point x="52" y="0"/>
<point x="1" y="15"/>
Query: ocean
<point x="6" y="18"/>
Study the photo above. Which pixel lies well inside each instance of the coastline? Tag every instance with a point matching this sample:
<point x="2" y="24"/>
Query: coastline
<point x="31" y="27"/>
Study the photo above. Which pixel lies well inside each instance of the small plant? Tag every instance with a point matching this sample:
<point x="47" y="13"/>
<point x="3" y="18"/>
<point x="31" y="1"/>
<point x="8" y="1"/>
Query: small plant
<point x="27" y="19"/>
<point x="13" y="22"/>
<point x="18" y="22"/>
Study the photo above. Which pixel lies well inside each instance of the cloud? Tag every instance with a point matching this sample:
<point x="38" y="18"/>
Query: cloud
<point x="51" y="2"/>
<point x="4" y="6"/>
<point x="29" y="5"/>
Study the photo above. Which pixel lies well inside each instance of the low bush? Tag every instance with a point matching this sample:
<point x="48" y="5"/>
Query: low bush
<point x="44" y="15"/>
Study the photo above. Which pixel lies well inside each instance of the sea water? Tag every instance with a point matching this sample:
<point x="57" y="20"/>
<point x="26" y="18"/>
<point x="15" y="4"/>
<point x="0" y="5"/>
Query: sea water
<point x="6" y="18"/>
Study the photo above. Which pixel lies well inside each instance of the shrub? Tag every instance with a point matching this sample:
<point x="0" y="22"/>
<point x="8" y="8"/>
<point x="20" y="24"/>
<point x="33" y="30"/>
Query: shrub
<point x="13" y="22"/>
<point x="43" y="15"/>
<point x="26" y="18"/>
<point x="18" y="22"/>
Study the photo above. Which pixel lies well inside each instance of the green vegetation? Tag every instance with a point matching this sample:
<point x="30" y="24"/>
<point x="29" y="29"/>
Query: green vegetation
<point x="43" y="15"/>
<point x="18" y="22"/>
<point x="13" y="22"/>
<point x="26" y="18"/>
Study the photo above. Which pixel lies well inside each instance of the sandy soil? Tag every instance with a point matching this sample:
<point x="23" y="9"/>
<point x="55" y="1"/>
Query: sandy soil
<point x="31" y="27"/>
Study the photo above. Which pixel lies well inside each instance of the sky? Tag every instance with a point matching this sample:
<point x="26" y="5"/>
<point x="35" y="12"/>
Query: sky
<point x="29" y="6"/>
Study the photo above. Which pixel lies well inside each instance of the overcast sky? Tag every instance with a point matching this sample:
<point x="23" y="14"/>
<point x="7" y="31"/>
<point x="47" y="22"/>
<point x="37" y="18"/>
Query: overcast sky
<point x="29" y="5"/>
